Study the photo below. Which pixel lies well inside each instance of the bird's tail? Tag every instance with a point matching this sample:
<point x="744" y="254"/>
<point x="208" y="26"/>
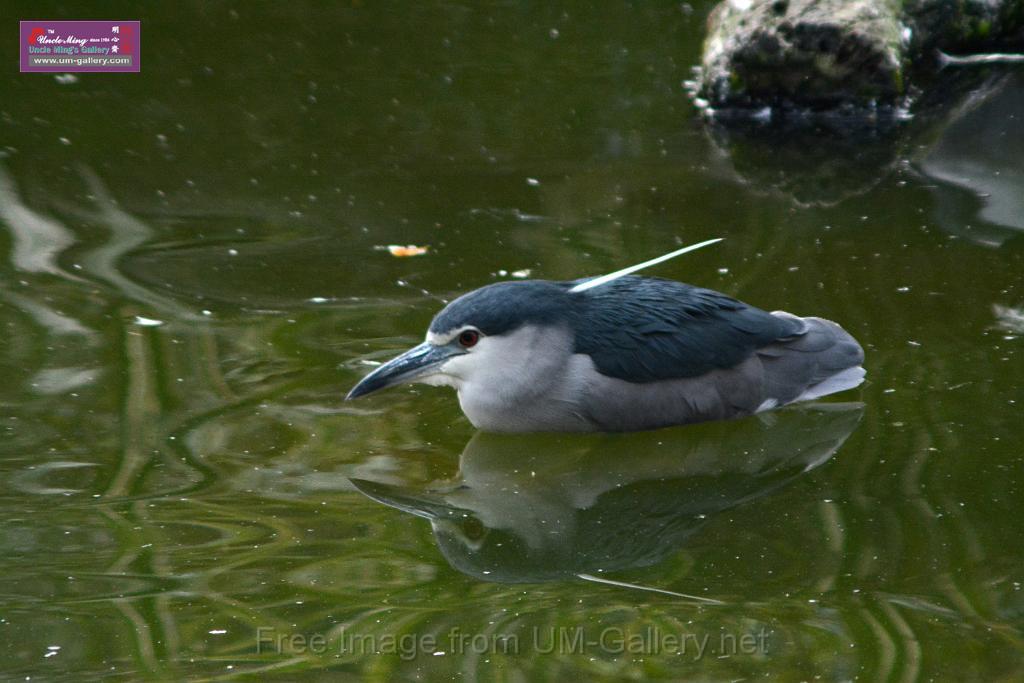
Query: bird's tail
<point x="821" y="359"/>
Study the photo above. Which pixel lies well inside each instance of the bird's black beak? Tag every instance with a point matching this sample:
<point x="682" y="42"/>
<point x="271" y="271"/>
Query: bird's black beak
<point x="416" y="362"/>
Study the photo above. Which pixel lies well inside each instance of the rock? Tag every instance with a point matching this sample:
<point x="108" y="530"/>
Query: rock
<point x="828" y="54"/>
<point x="813" y="53"/>
<point x="964" y="26"/>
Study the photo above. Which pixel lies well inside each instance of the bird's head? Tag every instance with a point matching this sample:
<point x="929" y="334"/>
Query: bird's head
<point x="492" y="332"/>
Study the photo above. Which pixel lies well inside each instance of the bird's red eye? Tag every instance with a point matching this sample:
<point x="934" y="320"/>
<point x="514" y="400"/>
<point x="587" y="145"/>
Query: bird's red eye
<point x="468" y="338"/>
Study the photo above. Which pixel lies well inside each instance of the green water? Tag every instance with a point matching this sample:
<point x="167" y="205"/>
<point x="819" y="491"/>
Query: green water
<point x="189" y="284"/>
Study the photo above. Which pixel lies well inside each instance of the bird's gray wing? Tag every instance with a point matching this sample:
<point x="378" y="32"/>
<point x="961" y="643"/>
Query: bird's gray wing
<point x="648" y="329"/>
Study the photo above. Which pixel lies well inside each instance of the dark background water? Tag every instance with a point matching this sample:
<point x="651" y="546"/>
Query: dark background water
<point x="176" y="497"/>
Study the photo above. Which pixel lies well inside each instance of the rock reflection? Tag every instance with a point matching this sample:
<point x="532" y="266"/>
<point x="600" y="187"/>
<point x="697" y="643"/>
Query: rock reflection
<point x="965" y="135"/>
<point x="810" y="167"/>
<point x="976" y="160"/>
<point x="542" y="508"/>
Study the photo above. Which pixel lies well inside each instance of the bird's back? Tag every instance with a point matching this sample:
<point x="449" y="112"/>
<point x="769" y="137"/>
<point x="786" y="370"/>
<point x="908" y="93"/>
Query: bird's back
<point x="643" y="329"/>
<point x="657" y="352"/>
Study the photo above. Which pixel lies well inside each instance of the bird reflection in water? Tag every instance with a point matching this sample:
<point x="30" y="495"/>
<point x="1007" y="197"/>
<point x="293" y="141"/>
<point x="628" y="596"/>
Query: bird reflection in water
<point x="536" y="508"/>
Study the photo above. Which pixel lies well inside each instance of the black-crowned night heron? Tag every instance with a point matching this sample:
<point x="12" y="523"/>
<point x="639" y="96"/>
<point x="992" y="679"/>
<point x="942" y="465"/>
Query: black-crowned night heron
<point x="619" y="353"/>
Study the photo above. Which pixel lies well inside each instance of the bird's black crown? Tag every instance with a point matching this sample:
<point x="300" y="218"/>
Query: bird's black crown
<point x="504" y="306"/>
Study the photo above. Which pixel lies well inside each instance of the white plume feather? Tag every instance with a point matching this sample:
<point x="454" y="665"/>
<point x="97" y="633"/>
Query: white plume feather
<point x="598" y="281"/>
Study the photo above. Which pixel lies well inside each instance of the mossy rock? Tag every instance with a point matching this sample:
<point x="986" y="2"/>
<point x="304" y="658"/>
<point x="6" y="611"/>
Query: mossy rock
<point x="828" y="54"/>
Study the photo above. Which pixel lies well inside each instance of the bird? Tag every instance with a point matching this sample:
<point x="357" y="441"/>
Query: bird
<point x="620" y="352"/>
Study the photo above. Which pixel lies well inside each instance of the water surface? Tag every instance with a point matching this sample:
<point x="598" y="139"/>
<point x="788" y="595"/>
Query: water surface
<point x="190" y="282"/>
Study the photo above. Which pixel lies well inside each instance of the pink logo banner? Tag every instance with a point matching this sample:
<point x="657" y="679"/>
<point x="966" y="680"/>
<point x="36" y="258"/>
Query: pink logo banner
<point x="63" y="46"/>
